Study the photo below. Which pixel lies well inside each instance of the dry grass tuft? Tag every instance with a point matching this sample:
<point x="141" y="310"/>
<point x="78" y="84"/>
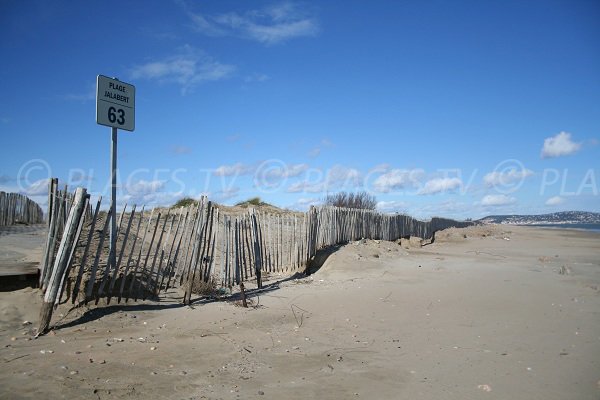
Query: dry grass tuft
<point x="202" y="288"/>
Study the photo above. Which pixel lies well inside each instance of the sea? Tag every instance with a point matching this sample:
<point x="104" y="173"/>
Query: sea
<point x="587" y="227"/>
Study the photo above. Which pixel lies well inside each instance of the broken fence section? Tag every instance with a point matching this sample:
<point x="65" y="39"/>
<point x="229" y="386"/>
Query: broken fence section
<point x="201" y="244"/>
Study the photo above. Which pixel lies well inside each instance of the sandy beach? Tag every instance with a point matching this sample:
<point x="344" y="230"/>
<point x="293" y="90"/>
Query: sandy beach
<point x="21" y="248"/>
<point x="492" y="312"/>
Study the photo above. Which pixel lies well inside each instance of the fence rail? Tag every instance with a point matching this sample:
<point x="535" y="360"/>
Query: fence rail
<point x="17" y="208"/>
<point x="190" y="246"/>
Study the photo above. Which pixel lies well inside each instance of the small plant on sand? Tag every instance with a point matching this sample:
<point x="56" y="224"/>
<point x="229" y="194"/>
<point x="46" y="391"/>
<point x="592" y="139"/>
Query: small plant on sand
<point x="254" y="201"/>
<point x="185" y="202"/>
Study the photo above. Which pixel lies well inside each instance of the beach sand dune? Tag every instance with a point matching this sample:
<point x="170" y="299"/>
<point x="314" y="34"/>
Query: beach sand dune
<point x="496" y="312"/>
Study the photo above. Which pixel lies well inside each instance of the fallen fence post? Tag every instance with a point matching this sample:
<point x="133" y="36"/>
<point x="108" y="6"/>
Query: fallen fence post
<point x="62" y="259"/>
<point x="72" y="253"/>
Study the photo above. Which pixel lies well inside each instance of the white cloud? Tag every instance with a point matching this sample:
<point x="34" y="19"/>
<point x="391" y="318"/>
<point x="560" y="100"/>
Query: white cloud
<point x="397" y="179"/>
<point x="559" y="145"/>
<point x="449" y="209"/>
<point x="295" y="170"/>
<point x="89" y="94"/>
<point x="555" y="201"/>
<point x="269" y="25"/>
<point x="188" y="68"/>
<point x="343" y="176"/>
<point x="151" y="199"/>
<point x="392" y="206"/>
<point x="325" y="142"/>
<point x="337" y="177"/>
<point x="439" y="185"/>
<point x="495" y="200"/>
<point x="288" y="171"/>
<point x="314" y="152"/>
<point x="308" y="201"/>
<point x="37" y="188"/>
<point x="384" y="167"/>
<point x="225" y="194"/>
<point x="205" y="26"/>
<point x="234" y="170"/>
<point x="306" y="187"/>
<point x="143" y="187"/>
<point x="304" y="203"/>
<point x="503" y="178"/>
<point x="81" y="178"/>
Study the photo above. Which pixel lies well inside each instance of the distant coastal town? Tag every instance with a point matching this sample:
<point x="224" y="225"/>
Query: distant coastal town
<point x="557" y="218"/>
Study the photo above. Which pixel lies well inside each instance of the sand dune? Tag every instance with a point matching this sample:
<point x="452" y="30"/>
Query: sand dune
<point x="483" y="312"/>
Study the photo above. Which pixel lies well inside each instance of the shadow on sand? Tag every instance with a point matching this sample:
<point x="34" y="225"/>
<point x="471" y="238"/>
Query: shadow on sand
<point x="167" y="301"/>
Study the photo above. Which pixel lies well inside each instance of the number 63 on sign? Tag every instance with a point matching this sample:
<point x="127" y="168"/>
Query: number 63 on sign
<point x="115" y="103"/>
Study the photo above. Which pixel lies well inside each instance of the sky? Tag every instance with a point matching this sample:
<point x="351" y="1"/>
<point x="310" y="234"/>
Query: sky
<point x="459" y="109"/>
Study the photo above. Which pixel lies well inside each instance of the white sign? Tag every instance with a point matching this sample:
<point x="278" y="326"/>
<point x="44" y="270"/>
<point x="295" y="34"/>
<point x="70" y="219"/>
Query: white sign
<point x="115" y="103"/>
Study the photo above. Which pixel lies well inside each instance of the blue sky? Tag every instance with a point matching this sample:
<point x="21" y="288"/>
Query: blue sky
<point x="459" y="109"/>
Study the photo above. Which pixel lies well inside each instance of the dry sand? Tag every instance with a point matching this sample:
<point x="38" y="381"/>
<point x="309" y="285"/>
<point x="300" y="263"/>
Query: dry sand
<point x="503" y="313"/>
<point x="21" y="248"/>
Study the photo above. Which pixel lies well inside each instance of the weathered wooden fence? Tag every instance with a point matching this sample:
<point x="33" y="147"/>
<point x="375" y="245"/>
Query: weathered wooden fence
<point x="192" y="247"/>
<point x="329" y="226"/>
<point x="16" y="208"/>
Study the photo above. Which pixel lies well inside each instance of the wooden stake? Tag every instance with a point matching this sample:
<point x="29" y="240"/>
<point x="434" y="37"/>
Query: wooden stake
<point x="139" y="257"/>
<point x="125" y="237"/>
<point x="72" y="252"/>
<point x="243" y="292"/>
<point x="128" y="263"/>
<point x="85" y="252"/>
<point x="61" y="260"/>
<point x="90" y="285"/>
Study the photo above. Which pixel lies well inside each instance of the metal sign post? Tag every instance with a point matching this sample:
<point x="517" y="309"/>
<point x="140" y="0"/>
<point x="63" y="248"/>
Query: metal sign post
<point x="112" y="254"/>
<point x="115" y="107"/>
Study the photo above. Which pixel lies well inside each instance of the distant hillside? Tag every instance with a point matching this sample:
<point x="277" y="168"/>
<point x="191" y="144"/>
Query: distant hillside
<point x="564" y="217"/>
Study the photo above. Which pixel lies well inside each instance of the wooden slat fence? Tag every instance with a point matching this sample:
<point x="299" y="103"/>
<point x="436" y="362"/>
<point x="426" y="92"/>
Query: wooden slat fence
<point x="193" y="246"/>
<point x="16" y="208"/>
